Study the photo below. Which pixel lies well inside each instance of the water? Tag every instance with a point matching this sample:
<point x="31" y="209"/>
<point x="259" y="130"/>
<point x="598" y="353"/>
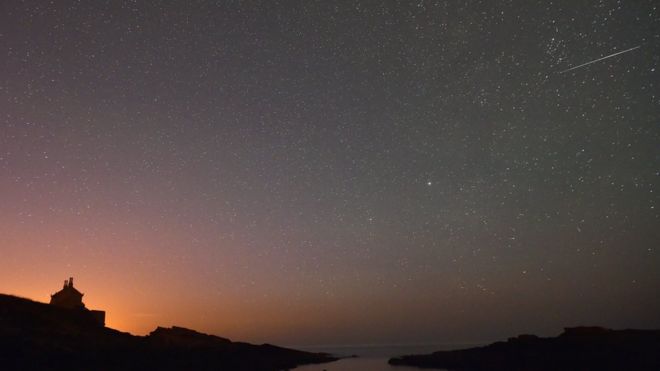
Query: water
<point x="373" y="358"/>
<point x="359" y="364"/>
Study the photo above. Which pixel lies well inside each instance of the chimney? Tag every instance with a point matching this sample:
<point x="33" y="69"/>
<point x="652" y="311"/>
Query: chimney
<point x="70" y="281"/>
<point x="66" y="283"/>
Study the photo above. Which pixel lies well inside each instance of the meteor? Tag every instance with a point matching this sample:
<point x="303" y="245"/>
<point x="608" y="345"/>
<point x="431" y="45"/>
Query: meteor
<point x="600" y="59"/>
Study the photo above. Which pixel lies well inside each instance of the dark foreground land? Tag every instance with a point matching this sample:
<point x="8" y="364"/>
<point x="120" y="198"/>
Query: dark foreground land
<point x="578" y="348"/>
<point x="37" y="336"/>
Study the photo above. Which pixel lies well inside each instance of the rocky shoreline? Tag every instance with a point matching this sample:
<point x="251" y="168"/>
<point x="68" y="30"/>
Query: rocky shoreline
<point x="578" y="348"/>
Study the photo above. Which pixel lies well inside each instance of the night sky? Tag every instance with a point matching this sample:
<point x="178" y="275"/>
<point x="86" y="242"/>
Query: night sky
<point x="320" y="172"/>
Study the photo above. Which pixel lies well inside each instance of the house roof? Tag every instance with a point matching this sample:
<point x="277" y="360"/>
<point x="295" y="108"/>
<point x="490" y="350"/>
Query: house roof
<point x="68" y="290"/>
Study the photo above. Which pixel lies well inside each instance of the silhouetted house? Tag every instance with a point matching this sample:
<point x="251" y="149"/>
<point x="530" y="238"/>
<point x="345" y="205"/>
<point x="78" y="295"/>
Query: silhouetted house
<point x="71" y="298"/>
<point x="68" y="297"/>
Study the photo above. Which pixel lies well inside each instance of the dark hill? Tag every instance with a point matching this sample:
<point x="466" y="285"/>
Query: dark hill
<point x="37" y="336"/>
<point x="578" y="348"/>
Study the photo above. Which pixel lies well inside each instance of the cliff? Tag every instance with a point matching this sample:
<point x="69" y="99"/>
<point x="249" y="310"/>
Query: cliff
<point x="579" y="348"/>
<point x="38" y="336"/>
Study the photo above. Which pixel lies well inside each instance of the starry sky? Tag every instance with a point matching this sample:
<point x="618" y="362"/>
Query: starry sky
<point x="334" y="172"/>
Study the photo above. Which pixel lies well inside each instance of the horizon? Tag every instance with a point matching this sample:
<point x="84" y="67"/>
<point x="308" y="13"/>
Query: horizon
<point x="335" y="173"/>
<point x="441" y="345"/>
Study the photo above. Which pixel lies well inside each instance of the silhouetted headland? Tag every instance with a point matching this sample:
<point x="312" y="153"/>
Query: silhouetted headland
<point x="39" y="336"/>
<point x="577" y="348"/>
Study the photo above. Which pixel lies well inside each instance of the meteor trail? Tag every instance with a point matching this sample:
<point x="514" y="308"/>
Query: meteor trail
<point x="600" y="59"/>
